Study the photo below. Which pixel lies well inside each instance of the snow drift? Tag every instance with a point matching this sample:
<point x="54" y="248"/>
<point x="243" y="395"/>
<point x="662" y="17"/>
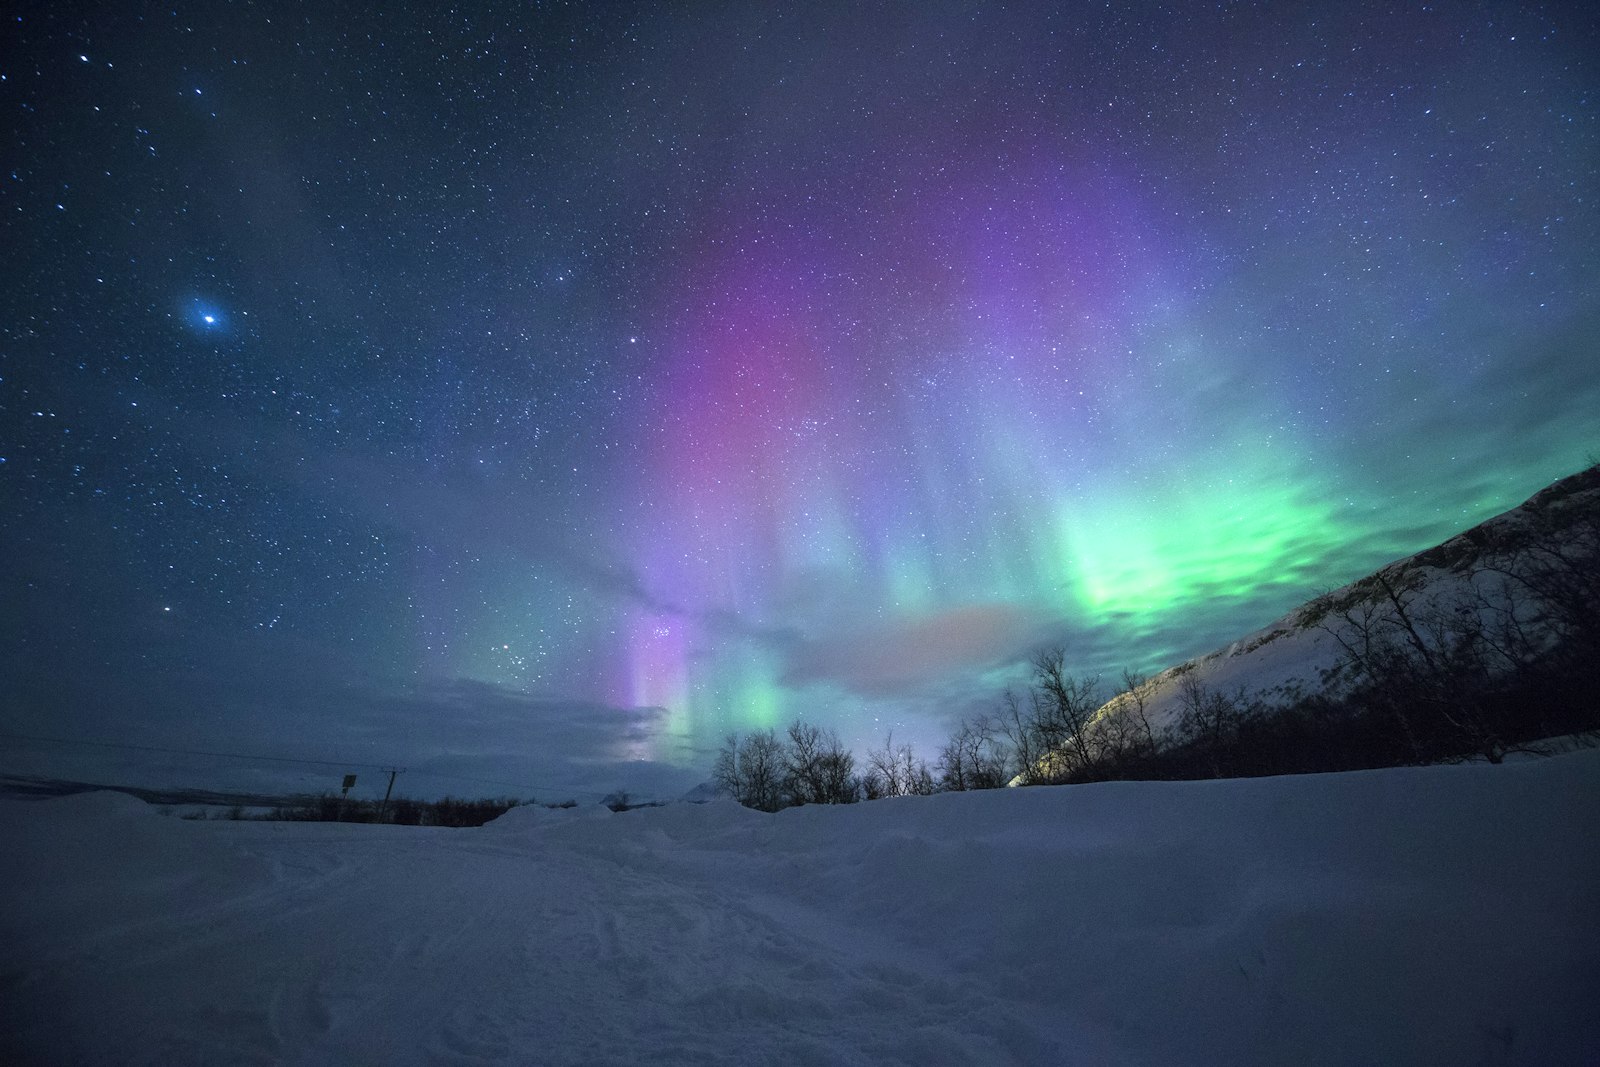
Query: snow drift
<point x="1427" y="915"/>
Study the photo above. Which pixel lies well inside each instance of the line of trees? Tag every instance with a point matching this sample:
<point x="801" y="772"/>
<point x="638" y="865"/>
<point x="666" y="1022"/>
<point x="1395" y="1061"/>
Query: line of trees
<point x="808" y="765"/>
<point x="1051" y="734"/>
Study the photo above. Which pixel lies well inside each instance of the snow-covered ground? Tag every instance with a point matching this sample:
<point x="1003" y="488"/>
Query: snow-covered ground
<point x="1415" y="916"/>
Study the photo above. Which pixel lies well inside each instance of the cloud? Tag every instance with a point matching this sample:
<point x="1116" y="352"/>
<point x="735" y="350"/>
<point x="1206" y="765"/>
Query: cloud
<point x="471" y="737"/>
<point x="453" y="735"/>
<point x="915" y="652"/>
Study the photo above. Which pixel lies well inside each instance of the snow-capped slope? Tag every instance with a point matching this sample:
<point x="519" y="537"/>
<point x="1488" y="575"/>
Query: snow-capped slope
<point x="1415" y="916"/>
<point x="701" y="793"/>
<point x="1292" y="656"/>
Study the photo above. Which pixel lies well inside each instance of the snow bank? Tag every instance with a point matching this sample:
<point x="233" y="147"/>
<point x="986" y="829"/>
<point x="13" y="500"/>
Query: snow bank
<point x="1434" y="915"/>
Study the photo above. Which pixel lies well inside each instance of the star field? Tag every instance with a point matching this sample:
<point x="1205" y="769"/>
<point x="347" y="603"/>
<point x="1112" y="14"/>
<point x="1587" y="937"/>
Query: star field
<point x="547" y="390"/>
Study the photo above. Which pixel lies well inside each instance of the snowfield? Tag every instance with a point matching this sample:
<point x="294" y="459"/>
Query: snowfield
<point x="1442" y="915"/>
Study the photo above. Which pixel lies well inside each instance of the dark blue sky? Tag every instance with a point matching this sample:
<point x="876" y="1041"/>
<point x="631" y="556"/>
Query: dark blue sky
<point x="535" y="393"/>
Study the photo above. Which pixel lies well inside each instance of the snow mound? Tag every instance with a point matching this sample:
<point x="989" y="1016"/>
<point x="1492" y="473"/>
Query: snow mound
<point x="1411" y="916"/>
<point x="102" y="803"/>
<point x="526" y="817"/>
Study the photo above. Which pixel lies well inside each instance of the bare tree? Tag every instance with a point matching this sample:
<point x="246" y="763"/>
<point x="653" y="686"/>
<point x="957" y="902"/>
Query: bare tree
<point x="974" y="757"/>
<point x="1120" y="734"/>
<point x="1211" y="721"/>
<point x="1063" y="706"/>
<point x="1556" y="566"/>
<point x="1135" y="708"/>
<point x="896" y="772"/>
<point x="1432" y="666"/>
<point x="882" y="777"/>
<point x="841" y="785"/>
<point x="752" y="770"/>
<point x="725" y="769"/>
<point x="1027" y="751"/>
<point x="803" y="763"/>
<point x="917" y="778"/>
<point x="819" y="770"/>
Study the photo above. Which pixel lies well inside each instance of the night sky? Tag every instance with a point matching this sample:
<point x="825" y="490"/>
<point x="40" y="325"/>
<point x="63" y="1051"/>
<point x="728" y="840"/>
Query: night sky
<point x="535" y="393"/>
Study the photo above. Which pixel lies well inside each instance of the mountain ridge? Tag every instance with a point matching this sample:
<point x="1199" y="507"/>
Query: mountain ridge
<point x="1298" y="654"/>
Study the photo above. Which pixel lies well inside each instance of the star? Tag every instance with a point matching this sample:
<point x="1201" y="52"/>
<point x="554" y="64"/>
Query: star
<point x="205" y="316"/>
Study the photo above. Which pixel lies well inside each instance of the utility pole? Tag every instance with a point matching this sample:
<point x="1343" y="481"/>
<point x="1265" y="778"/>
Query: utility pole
<point x="385" y="805"/>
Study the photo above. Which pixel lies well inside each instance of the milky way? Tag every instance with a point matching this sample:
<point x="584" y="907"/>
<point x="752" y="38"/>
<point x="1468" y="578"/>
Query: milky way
<point x="545" y="392"/>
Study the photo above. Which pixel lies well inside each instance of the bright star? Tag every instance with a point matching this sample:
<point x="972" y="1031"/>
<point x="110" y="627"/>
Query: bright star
<point x="205" y="316"/>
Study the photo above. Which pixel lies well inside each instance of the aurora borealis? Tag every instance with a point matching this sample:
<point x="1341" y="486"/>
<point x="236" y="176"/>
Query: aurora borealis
<point x="541" y="392"/>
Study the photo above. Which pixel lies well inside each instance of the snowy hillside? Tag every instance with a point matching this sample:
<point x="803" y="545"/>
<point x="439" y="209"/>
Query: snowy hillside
<point x="1420" y="916"/>
<point x="1291" y="656"/>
